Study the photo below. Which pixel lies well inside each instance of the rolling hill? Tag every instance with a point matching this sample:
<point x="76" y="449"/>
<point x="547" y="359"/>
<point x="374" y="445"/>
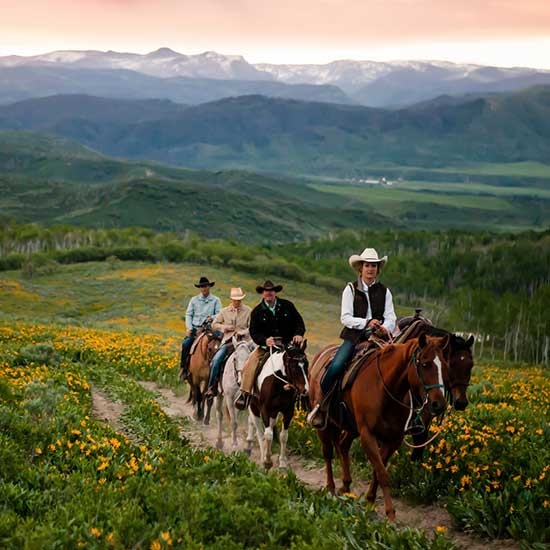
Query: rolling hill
<point x="279" y="135"/>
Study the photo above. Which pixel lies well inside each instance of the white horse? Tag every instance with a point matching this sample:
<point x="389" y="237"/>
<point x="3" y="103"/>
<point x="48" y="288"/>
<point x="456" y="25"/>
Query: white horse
<point x="228" y="389"/>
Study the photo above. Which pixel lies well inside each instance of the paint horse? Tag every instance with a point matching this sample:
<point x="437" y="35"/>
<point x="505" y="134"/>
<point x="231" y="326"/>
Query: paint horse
<point x="376" y="409"/>
<point x="205" y="346"/>
<point x="229" y="387"/>
<point x="281" y="382"/>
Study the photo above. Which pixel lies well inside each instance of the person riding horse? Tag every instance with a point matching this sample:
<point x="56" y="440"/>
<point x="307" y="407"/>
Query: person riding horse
<point x="367" y="307"/>
<point x="231" y="320"/>
<point x="273" y="320"/>
<point x="202" y="307"/>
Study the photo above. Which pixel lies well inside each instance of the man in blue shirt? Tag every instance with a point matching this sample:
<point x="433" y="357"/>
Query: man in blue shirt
<point x="203" y="307"/>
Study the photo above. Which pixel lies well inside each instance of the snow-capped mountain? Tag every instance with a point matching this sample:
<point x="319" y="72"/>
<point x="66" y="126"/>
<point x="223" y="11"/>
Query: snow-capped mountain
<point x="164" y="63"/>
<point x="371" y="83"/>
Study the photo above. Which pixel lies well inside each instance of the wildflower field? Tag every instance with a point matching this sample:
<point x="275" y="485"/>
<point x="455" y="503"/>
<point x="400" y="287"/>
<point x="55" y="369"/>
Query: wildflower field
<point x="69" y="480"/>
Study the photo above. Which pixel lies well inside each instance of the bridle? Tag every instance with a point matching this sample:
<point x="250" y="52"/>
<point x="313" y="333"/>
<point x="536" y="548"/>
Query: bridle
<point x="289" y="384"/>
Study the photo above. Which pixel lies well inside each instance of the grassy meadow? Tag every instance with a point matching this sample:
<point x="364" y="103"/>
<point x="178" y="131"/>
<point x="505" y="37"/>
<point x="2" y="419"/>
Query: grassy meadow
<point x="110" y="324"/>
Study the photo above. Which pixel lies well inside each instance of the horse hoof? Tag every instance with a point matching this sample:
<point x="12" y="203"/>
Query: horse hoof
<point x="206" y="422"/>
<point x="219" y="444"/>
<point x="247" y="452"/>
<point x="268" y="465"/>
<point x="283" y="465"/>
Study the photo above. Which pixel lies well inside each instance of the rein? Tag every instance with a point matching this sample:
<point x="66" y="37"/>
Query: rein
<point x="425" y="387"/>
<point x="288" y="384"/>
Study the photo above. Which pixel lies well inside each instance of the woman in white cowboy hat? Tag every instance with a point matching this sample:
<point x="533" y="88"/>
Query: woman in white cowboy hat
<point x="367" y="305"/>
<point x="230" y="320"/>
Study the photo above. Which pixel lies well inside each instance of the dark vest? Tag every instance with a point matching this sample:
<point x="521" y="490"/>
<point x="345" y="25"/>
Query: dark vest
<point x="377" y="298"/>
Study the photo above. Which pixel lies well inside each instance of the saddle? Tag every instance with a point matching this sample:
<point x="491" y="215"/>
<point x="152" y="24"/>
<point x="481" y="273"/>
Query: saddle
<point x="201" y="334"/>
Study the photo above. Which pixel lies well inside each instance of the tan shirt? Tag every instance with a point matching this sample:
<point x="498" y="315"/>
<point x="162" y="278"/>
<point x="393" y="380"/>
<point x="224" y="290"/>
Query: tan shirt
<point x="231" y="320"/>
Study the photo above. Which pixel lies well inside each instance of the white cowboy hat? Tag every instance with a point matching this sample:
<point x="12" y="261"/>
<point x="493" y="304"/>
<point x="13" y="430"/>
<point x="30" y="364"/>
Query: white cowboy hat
<point x="236" y="294"/>
<point x="368" y="255"/>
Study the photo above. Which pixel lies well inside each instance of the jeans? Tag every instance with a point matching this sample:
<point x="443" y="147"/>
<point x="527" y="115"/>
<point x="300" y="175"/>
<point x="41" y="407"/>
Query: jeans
<point x="186" y="344"/>
<point x="337" y="365"/>
<point x="217" y="362"/>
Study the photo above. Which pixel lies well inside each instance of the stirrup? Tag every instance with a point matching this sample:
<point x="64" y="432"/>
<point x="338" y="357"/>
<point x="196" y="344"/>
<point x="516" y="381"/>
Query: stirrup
<point x="242" y="401"/>
<point x="318" y="417"/>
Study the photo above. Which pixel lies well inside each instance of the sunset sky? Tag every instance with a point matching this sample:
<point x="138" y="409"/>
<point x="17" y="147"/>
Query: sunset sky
<point x="497" y="32"/>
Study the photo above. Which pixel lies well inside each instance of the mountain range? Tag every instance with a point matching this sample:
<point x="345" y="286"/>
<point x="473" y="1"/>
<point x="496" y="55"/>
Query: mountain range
<point x="288" y="136"/>
<point x="166" y="74"/>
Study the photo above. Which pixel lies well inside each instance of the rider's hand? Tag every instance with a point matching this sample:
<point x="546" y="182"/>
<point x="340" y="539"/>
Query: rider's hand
<point x="298" y="339"/>
<point x="373" y="323"/>
<point x="270" y="341"/>
<point x="188" y="333"/>
<point x="227" y="328"/>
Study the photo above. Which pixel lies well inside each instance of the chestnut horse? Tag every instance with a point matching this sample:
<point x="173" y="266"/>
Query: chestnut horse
<point x="377" y="410"/>
<point x="199" y="369"/>
<point x="460" y="359"/>
<point x="282" y="380"/>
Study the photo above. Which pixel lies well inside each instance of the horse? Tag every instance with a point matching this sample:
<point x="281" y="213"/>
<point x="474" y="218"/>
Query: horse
<point x="229" y="387"/>
<point x="461" y="362"/>
<point x="204" y="348"/>
<point x="377" y="412"/>
<point x="282" y="380"/>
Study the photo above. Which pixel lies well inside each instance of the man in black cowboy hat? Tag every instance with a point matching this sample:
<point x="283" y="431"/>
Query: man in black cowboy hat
<point x="274" y="320"/>
<point x="201" y="307"/>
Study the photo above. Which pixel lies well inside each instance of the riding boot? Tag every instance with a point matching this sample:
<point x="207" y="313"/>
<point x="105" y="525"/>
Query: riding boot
<point x="212" y="390"/>
<point x="318" y="417"/>
<point x="242" y="401"/>
<point x="184" y="367"/>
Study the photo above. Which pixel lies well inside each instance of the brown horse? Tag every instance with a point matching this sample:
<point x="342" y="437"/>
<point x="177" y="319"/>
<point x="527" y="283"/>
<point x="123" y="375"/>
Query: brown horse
<point x="376" y="408"/>
<point x="282" y="380"/>
<point x="460" y="359"/>
<point x="199" y="370"/>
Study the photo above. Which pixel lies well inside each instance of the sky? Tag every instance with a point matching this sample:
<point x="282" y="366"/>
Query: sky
<point x="488" y="32"/>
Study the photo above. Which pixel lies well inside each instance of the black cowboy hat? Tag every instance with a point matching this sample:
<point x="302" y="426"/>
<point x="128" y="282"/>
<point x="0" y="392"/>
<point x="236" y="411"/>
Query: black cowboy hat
<point x="204" y="282"/>
<point x="268" y="285"/>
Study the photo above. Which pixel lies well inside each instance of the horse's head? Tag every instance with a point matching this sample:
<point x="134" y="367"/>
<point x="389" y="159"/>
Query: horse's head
<point x="239" y="357"/>
<point x="461" y="363"/>
<point x="431" y="367"/>
<point x="296" y="366"/>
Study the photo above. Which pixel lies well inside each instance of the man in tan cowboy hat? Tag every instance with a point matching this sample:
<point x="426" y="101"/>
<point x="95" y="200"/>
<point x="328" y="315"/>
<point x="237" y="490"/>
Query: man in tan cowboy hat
<point x="274" y="320"/>
<point x="201" y="308"/>
<point x="367" y="306"/>
<point x="233" y="319"/>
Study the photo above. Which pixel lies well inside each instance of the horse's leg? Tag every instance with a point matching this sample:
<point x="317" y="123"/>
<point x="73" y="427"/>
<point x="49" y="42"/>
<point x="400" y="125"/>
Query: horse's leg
<point x="283" y="438"/>
<point x="328" y="454"/>
<point x="259" y="425"/>
<point x="219" y="417"/>
<point x="252" y="430"/>
<point x="371" y="449"/>
<point x="196" y="401"/>
<point x="268" y="439"/>
<point x="386" y="452"/>
<point x="209" y="401"/>
<point x="343" y="447"/>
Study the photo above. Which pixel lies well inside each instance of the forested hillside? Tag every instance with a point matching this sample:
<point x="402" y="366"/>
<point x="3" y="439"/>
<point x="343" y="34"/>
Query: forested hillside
<point x="494" y="285"/>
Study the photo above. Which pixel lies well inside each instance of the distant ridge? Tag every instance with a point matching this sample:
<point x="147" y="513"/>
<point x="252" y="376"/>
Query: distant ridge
<point x="279" y="135"/>
<point x="371" y="83"/>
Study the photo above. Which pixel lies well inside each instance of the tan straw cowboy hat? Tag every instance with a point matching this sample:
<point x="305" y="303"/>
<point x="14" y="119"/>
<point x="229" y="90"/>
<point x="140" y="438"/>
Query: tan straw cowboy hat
<point x="237" y="294"/>
<point x="368" y="255"/>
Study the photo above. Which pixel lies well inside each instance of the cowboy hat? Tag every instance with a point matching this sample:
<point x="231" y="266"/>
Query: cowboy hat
<point x="236" y="294"/>
<point x="204" y="282"/>
<point x="368" y="255"/>
<point x="268" y="285"/>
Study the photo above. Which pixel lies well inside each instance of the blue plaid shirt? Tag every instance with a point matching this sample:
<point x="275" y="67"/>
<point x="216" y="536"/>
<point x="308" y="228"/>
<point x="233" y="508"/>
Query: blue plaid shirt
<point x="200" y="308"/>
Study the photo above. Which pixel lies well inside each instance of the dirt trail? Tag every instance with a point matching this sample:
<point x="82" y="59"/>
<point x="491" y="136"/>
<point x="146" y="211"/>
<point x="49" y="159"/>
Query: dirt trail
<point x="310" y="473"/>
<point x="106" y="410"/>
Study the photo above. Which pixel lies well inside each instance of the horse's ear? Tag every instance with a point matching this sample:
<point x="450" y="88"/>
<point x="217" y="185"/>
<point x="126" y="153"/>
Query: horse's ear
<point x="422" y="340"/>
<point x="304" y="345"/>
<point x="470" y="341"/>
